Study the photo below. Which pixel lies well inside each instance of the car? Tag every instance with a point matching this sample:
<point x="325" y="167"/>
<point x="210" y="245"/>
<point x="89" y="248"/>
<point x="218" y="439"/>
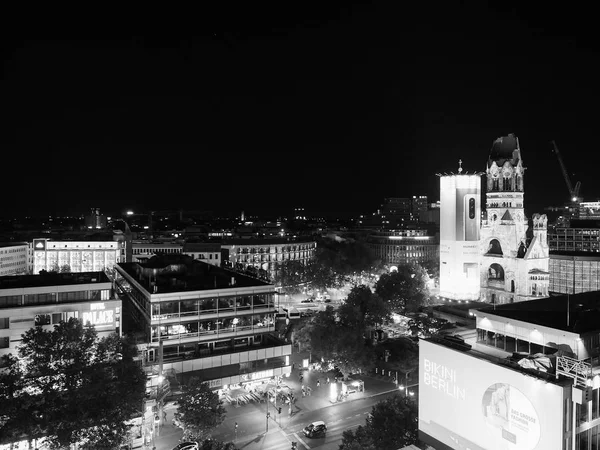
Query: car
<point x="315" y="429"/>
<point x="327" y="300"/>
<point x="308" y="300"/>
<point x="187" y="446"/>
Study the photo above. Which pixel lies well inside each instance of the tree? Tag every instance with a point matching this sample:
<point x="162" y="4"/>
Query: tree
<point x="336" y="344"/>
<point x="65" y="268"/>
<point x="391" y="425"/>
<point x="199" y="410"/>
<point x="209" y="444"/>
<point x="404" y="289"/>
<point x="363" y="309"/>
<point x="71" y="387"/>
<point x="290" y="275"/>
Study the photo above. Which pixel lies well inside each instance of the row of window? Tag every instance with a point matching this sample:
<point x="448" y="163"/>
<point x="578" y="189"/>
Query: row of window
<point x="211" y="305"/>
<point x="53" y="297"/>
<point x="261" y="322"/>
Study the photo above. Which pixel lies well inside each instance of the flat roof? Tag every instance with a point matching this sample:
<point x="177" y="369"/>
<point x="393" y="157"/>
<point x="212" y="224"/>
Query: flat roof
<point x="583" y="312"/>
<point x="201" y="247"/>
<point x="12" y="244"/>
<point x="266" y="241"/>
<point x="52" y="279"/>
<point x="171" y="274"/>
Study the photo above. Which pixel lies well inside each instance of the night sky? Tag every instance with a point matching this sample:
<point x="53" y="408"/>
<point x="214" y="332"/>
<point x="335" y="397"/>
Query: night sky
<point x="331" y="108"/>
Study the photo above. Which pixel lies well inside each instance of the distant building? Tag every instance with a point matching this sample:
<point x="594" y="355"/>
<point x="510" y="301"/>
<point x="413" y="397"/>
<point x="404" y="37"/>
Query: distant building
<point x="76" y="256"/>
<point x="404" y="246"/>
<point x="204" y="320"/>
<point x="208" y="252"/>
<point x="143" y="250"/>
<point x="579" y="236"/>
<point x="589" y="210"/>
<point x="95" y="220"/>
<point x="31" y="300"/>
<point x="574" y="272"/>
<point x="266" y="254"/>
<point x="14" y="258"/>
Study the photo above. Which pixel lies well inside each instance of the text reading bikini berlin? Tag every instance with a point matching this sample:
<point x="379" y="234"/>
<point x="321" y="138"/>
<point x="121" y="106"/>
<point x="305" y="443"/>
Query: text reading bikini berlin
<point x="443" y="379"/>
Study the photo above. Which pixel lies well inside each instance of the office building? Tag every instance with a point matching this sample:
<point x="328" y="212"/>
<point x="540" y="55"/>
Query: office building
<point x="528" y="378"/>
<point x="208" y="252"/>
<point x="14" y="257"/>
<point x="30" y="300"/>
<point x="404" y="246"/>
<point x="205" y="320"/>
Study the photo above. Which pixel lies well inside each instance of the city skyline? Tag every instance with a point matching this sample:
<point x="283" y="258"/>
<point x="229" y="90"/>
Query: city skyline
<point x="331" y="109"/>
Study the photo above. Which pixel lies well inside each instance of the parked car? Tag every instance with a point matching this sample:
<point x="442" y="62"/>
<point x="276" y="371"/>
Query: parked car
<point x="315" y="429"/>
<point x="187" y="446"/>
<point x="308" y="300"/>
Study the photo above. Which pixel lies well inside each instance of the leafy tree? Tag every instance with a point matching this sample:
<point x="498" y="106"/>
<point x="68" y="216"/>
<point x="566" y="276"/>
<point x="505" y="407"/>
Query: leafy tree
<point x="209" y="444"/>
<point x="291" y="274"/>
<point x="199" y="410"/>
<point x="335" y="343"/>
<point x="403" y="355"/>
<point x="363" y="309"/>
<point x="405" y="289"/>
<point x="391" y="425"/>
<point x="65" y="268"/>
<point x="70" y="387"/>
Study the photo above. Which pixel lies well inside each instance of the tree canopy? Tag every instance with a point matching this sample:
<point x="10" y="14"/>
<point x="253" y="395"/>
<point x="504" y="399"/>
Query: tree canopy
<point x="70" y="387"/>
<point x="363" y="309"/>
<point x="337" y="343"/>
<point x="392" y="425"/>
<point x="209" y="444"/>
<point x="405" y="289"/>
<point x="199" y="410"/>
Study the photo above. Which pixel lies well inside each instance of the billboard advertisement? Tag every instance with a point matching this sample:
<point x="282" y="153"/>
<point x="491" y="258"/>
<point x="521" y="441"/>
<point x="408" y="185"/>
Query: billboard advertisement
<point x="471" y="403"/>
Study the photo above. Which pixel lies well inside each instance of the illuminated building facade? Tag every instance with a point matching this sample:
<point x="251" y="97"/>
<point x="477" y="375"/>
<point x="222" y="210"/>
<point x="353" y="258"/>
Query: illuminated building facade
<point x="572" y="273"/>
<point x="266" y="254"/>
<point x="528" y="377"/>
<point x="579" y="236"/>
<point x="77" y="256"/>
<point x="208" y="321"/>
<point x="30" y="300"/>
<point x="404" y="246"/>
<point x="514" y="262"/>
<point x="14" y="258"/>
<point x="460" y="214"/>
<point x="589" y="210"/>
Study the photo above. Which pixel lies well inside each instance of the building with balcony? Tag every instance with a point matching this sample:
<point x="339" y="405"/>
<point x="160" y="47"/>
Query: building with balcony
<point x="404" y="246"/>
<point x="30" y="300"/>
<point x="14" y="257"/>
<point x="266" y="254"/>
<point x="527" y="377"/>
<point x="204" y="320"/>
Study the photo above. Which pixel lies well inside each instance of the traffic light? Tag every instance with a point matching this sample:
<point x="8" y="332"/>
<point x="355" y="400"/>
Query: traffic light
<point x="294" y="445"/>
<point x="268" y="415"/>
<point x="236" y="425"/>
<point x="279" y="410"/>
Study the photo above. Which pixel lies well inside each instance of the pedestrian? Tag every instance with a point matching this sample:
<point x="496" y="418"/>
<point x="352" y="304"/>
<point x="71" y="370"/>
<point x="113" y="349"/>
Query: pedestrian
<point x="301" y="378"/>
<point x="293" y="366"/>
<point x="164" y="416"/>
<point x="318" y="383"/>
<point x="327" y="380"/>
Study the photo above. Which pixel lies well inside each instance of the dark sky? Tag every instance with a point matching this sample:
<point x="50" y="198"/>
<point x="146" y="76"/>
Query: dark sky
<point x="331" y="108"/>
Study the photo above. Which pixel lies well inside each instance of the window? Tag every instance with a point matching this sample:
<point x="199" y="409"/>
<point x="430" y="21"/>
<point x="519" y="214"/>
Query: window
<point x="10" y="300"/>
<point x="4" y="323"/>
<point x="4" y="342"/>
<point x="42" y="319"/>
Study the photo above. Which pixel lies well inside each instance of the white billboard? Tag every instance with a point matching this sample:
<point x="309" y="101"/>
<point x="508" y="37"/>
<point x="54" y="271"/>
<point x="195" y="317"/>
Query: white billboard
<point x="471" y="403"/>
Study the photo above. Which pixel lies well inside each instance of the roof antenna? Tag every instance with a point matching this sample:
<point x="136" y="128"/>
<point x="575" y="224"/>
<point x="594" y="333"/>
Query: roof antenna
<point x="459" y="165"/>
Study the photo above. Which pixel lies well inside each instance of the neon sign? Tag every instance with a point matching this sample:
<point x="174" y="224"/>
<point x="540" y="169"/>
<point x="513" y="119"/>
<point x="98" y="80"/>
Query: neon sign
<point x="102" y="317"/>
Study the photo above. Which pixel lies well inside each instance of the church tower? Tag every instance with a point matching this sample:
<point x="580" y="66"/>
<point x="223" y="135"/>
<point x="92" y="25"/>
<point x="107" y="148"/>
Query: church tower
<point x="514" y="259"/>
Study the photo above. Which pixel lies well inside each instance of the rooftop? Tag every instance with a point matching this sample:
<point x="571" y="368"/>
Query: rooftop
<point x="201" y="247"/>
<point x="267" y="241"/>
<point x="180" y="273"/>
<point x="12" y="244"/>
<point x="583" y="312"/>
<point x="52" y="279"/>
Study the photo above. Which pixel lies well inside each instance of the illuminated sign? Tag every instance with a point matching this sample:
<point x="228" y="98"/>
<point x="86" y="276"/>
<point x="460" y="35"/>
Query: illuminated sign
<point x="39" y="244"/>
<point x="257" y="375"/>
<point x="468" y="402"/>
<point x="101" y="317"/>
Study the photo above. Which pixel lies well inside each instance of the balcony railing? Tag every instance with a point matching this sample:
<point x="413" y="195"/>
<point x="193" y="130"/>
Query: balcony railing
<point x="218" y="332"/>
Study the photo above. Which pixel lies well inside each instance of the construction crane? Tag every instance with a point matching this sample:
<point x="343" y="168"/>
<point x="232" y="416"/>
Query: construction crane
<point x="573" y="191"/>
